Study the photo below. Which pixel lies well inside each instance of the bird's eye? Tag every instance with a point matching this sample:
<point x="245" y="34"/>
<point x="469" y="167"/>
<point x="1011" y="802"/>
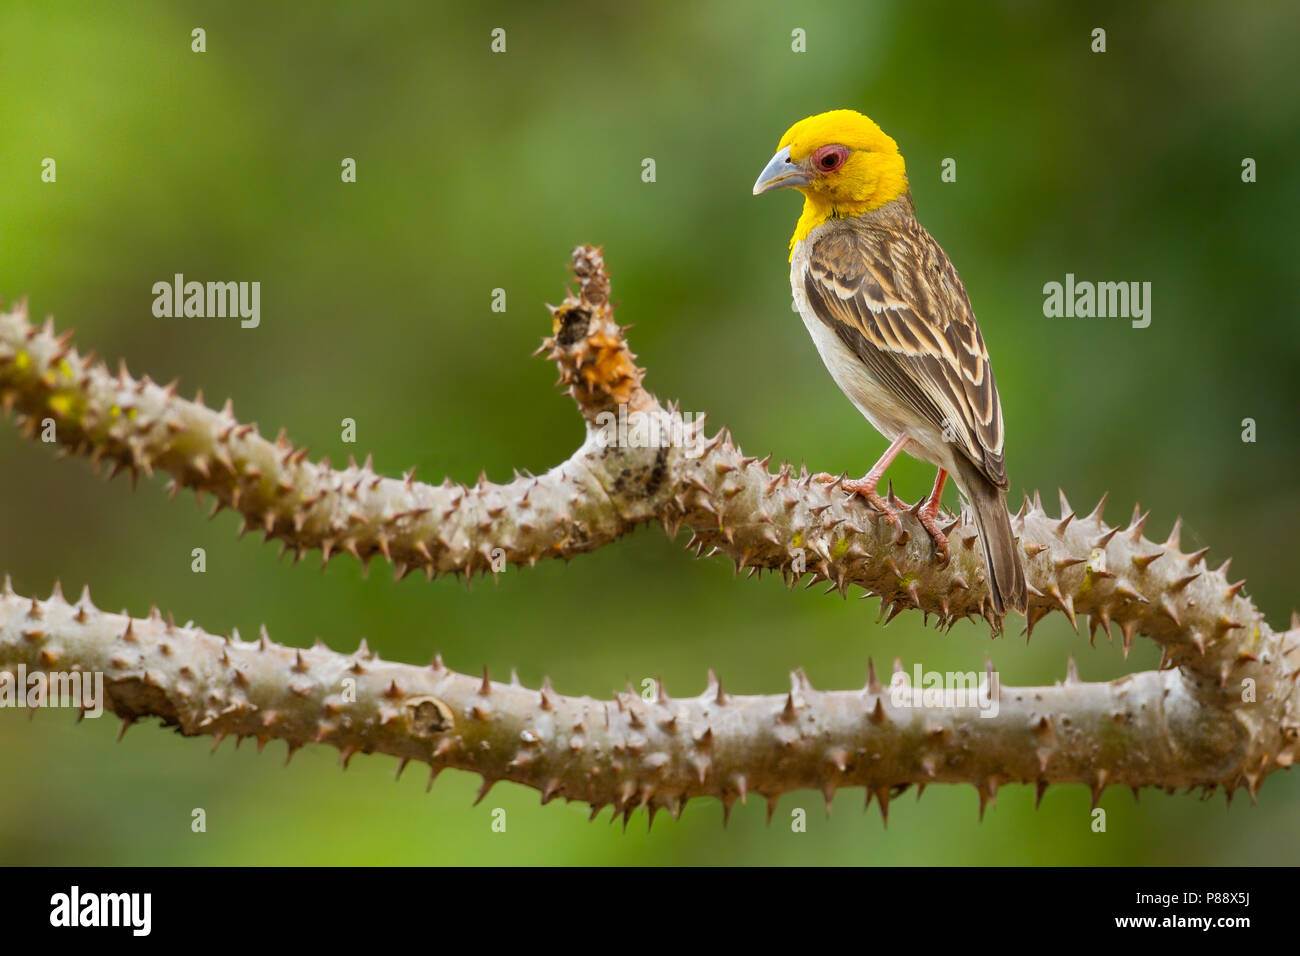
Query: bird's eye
<point x="830" y="158"/>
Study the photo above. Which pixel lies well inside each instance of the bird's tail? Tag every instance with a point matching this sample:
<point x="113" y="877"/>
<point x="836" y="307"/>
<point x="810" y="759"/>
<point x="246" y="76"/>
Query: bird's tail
<point x="1002" y="561"/>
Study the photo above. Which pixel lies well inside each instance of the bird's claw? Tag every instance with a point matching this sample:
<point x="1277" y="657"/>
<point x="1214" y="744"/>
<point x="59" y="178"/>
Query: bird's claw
<point x="929" y="518"/>
<point x="865" y="489"/>
<point x="931" y="527"/>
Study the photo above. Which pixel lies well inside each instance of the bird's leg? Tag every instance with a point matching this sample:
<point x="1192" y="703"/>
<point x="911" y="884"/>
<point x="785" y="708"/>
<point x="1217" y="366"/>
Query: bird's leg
<point x="866" y="485"/>
<point x="928" y="513"/>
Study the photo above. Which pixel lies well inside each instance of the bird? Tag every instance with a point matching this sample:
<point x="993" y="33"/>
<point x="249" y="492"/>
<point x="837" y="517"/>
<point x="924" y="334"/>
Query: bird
<point x="895" y="328"/>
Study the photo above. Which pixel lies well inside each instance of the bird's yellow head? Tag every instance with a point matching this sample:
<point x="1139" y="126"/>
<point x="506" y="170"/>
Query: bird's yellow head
<point x="843" y="163"/>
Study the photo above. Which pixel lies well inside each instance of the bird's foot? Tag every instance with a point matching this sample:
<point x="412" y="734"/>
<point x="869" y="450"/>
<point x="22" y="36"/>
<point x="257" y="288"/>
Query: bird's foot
<point x="929" y="521"/>
<point x="927" y="512"/>
<point x="866" y="488"/>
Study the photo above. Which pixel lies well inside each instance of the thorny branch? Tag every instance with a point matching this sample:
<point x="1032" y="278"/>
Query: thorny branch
<point x="1222" y="711"/>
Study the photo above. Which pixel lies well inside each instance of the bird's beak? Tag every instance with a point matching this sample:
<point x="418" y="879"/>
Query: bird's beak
<point x="780" y="173"/>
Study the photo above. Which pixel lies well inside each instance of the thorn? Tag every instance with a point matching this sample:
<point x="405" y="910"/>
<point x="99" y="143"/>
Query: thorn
<point x="1099" y="784"/>
<point x="1104" y="539"/>
<point x="1126" y="590"/>
<point x="1129" y="628"/>
<point x="1167" y="609"/>
<point x="839" y="759"/>
<point x="1143" y="561"/>
<point x="1071" y="671"/>
<point x="1065" y="602"/>
<point x="714" y="688"/>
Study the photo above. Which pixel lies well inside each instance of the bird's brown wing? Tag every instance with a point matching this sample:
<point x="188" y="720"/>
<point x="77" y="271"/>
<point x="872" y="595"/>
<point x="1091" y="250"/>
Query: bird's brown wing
<point x="895" y="300"/>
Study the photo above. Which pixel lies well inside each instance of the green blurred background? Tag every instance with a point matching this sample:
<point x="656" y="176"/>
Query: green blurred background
<point x="478" y="171"/>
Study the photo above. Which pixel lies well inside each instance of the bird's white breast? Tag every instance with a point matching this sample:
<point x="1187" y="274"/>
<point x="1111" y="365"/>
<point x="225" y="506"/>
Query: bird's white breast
<point x="876" y="401"/>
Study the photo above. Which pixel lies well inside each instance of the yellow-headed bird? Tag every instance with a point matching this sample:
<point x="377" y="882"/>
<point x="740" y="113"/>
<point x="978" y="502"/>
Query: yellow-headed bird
<point x="894" y="326"/>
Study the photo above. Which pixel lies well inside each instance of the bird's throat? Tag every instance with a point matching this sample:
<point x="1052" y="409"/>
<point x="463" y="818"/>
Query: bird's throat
<point x="817" y="209"/>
